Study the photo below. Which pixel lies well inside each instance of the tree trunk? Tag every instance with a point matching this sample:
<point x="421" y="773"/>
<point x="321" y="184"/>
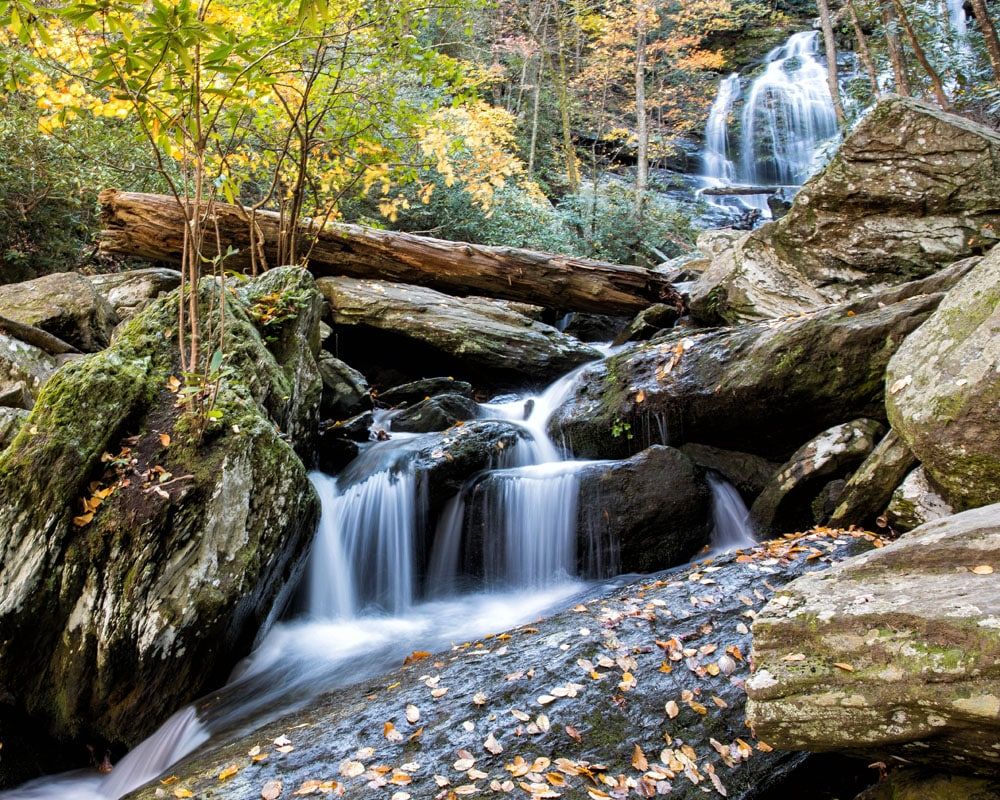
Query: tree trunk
<point x="895" y="48"/>
<point x="831" y="59"/>
<point x="641" y="128"/>
<point x="569" y="150"/>
<point x="864" y="53"/>
<point x="989" y="31"/>
<point x="151" y="226"/>
<point x="921" y="56"/>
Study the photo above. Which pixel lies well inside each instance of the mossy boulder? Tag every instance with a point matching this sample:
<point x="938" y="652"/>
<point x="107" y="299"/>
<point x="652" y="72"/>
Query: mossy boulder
<point x="64" y="304"/>
<point x="944" y="389"/>
<point x="894" y="653"/>
<point x="911" y="190"/>
<point x="24" y="368"/>
<point x="132" y="290"/>
<point x="916" y="501"/>
<point x="116" y="612"/>
<point x="762" y="388"/>
<point x="869" y="489"/>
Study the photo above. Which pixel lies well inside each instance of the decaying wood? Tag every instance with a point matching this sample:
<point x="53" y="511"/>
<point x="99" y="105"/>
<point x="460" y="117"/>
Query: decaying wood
<point x="29" y="334"/>
<point x="152" y="226"/>
<point x="731" y="191"/>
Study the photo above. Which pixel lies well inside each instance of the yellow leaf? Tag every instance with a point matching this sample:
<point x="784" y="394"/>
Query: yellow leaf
<point x="983" y="569"/>
<point x="639" y="760"/>
<point x="181" y="792"/>
<point x="843" y="666"/>
<point x="228" y="772"/>
<point x="165" y="439"/>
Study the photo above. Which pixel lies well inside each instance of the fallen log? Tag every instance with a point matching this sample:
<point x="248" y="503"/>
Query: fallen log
<point x="150" y="226"/>
<point x="734" y="191"/>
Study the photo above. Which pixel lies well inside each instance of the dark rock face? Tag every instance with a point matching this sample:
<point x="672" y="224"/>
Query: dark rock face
<point x="943" y="389"/>
<point x="109" y="620"/>
<point x="657" y="665"/>
<point x="345" y="390"/>
<point x="893" y="653"/>
<point x="415" y="391"/>
<point x="868" y="491"/>
<point x="396" y="329"/>
<point x="918" y="784"/>
<point x="786" y="502"/>
<point x="594" y="327"/>
<point x="747" y="472"/>
<point x="64" y="304"/>
<point x="648" y="323"/>
<point x="435" y="414"/>
<point x="653" y="510"/>
<point x="762" y="388"/>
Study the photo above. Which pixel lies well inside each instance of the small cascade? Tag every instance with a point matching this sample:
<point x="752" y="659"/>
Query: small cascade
<point x="786" y="118"/>
<point x="731" y="529"/>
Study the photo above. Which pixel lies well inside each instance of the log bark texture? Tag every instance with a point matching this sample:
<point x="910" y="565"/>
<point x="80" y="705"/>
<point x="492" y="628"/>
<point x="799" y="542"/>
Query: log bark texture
<point x="152" y="226"/>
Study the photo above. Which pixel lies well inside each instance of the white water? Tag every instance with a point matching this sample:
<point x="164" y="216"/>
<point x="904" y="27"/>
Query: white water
<point x="732" y="529"/>
<point x="786" y="119"/>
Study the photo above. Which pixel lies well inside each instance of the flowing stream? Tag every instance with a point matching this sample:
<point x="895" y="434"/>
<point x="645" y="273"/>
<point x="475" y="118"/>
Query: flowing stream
<point x="367" y="603"/>
<point x="771" y="130"/>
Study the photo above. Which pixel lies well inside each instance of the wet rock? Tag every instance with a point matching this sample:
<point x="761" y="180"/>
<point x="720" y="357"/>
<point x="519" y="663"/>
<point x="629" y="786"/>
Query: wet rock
<point x="435" y="414"/>
<point x="415" y="391"/>
<point x="131" y="291"/>
<point x="943" y="389"/>
<point x="64" y="304"/>
<point x="917" y="784"/>
<point x="651" y="511"/>
<point x="868" y="491"/>
<point x="716" y="241"/>
<point x="357" y="428"/>
<point x="111" y="618"/>
<point x="23" y="371"/>
<point x="910" y="190"/>
<point x="648" y="323"/>
<point x="345" y="390"/>
<point x="762" y="388"/>
<point x="785" y="504"/>
<point x="594" y="327"/>
<point x="894" y="653"/>
<point x="916" y="501"/>
<point x="544" y="669"/>
<point x="747" y="472"/>
<point x="388" y="326"/>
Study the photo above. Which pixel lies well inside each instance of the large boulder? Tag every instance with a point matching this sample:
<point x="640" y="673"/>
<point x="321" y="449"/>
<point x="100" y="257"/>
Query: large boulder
<point x="944" y="389"/>
<point x="910" y="190"/>
<point x="434" y="414"/>
<point x="64" y="304"/>
<point x="747" y="472"/>
<point x="392" y="325"/>
<point x="916" y="501"/>
<point x="345" y="390"/>
<point x="131" y="291"/>
<point x="762" y="388"/>
<point x="893" y="653"/>
<point x="648" y="672"/>
<point x="648" y="512"/>
<point x="24" y="368"/>
<point x="869" y="489"/>
<point x="785" y="504"/>
<point x="143" y="545"/>
<point x="415" y="391"/>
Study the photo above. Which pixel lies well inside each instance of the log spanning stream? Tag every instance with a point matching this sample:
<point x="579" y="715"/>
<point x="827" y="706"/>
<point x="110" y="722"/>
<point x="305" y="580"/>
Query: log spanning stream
<point x="369" y="597"/>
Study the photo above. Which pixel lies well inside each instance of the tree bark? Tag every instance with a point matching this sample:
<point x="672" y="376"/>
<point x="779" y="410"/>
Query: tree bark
<point x="918" y="51"/>
<point x="831" y="59"/>
<point x="151" y="226"/>
<point x="641" y="127"/>
<point x="864" y="53"/>
<point x="989" y="32"/>
<point x="895" y="47"/>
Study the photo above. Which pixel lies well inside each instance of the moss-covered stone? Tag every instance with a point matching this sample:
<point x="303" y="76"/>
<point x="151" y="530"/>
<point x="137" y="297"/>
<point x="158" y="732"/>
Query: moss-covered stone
<point x="110" y="620"/>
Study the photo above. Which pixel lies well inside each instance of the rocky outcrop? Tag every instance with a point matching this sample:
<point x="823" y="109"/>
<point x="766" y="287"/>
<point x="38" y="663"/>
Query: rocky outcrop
<point x="785" y="504"/>
<point x="415" y="391"/>
<point x="943" y="394"/>
<point x="131" y="291"/>
<point x="868" y="491"/>
<point x="649" y="512"/>
<point x="345" y="390"/>
<point x="23" y="371"/>
<point x="648" y="678"/>
<point x="893" y="653"/>
<point x="762" y="388"/>
<point x="648" y="323"/>
<point x="64" y="304"/>
<point x="391" y="325"/>
<point x="747" y="472"/>
<point x="910" y="190"/>
<point x="435" y="414"/>
<point x="11" y="420"/>
<point x="916" y="501"/>
<point x="140" y="556"/>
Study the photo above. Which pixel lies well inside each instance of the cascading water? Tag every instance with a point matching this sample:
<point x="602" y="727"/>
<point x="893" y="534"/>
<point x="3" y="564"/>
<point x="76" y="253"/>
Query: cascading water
<point x="787" y="117"/>
<point x="731" y="526"/>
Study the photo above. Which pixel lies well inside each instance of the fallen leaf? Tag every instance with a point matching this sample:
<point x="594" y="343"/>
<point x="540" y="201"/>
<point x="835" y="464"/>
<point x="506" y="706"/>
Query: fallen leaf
<point x="228" y="772"/>
<point x="271" y="790"/>
<point x="491" y="745"/>
<point x="983" y="569"/>
<point x="672" y="709"/>
<point x="843" y="666"/>
<point x="165" y="439"/>
<point x="412" y="714"/>
<point x="181" y="792"/>
<point x="639" y="760"/>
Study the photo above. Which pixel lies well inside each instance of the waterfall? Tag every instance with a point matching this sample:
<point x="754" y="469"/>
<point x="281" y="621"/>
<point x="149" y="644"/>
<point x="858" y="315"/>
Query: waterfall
<point x="731" y="528"/>
<point x="786" y="117"/>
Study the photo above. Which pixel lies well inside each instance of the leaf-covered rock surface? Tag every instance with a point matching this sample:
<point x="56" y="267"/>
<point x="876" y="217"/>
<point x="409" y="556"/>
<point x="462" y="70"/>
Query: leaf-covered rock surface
<point x="138" y="562"/>
<point x="630" y="693"/>
<point x="895" y="652"/>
